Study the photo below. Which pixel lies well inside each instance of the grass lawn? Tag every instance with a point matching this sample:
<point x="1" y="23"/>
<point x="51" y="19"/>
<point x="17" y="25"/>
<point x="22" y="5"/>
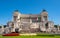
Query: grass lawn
<point x="29" y="36"/>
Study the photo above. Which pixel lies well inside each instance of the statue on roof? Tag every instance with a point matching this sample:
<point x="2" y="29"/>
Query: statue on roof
<point x="44" y="10"/>
<point x="16" y="10"/>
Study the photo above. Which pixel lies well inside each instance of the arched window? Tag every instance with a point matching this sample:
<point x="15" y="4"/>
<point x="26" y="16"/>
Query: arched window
<point x="45" y="18"/>
<point x="46" y="25"/>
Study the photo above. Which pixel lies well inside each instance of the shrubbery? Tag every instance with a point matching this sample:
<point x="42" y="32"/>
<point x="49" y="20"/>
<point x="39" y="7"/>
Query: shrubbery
<point x="43" y="34"/>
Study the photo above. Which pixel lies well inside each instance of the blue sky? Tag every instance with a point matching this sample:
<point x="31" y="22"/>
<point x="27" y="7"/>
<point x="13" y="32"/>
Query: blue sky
<point x="29" y="7"/>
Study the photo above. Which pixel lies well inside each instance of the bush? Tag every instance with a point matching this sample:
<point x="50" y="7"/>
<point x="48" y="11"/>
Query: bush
<point x="44" y="34"/>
